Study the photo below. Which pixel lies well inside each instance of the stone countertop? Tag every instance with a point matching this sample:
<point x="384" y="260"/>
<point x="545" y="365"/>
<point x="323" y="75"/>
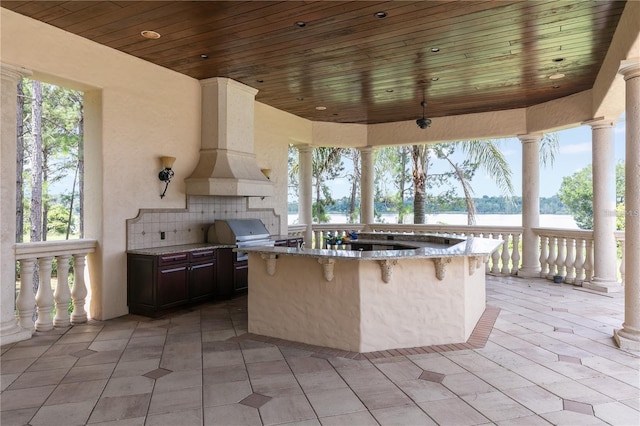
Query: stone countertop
<point x="282" y="237"/>
<point x="472" y="246"/>
<point x="160" y="251"/>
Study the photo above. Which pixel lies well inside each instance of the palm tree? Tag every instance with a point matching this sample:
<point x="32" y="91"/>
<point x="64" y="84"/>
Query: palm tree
<point x="479" y="154"/>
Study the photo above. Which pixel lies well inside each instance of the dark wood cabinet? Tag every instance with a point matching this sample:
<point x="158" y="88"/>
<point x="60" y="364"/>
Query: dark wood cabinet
<point x="240" y="276"/>
<point x="159" y="284"/>
<point x="288" y="242"/>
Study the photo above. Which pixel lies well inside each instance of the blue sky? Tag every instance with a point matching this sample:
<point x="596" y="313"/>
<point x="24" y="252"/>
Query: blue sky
<point x="575" y="154"/>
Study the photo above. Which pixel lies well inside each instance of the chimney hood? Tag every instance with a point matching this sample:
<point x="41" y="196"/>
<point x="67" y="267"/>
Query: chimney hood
<point x="227" y="164"/>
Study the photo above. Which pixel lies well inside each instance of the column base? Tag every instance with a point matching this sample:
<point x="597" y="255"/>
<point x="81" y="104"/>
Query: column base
<point x="627" y="341"/>
<point x="529" y="272"/>
<point x="603" y="286"/>
<point x="11" y="332"/>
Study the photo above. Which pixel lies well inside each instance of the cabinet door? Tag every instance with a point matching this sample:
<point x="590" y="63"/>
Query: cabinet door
<point x="240" y="276"/>
<point x="173" y="287"/>
<point x="202" y="280"/>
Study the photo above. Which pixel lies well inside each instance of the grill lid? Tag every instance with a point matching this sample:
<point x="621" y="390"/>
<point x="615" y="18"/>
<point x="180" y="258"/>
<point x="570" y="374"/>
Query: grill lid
<point x="232" y="231"/>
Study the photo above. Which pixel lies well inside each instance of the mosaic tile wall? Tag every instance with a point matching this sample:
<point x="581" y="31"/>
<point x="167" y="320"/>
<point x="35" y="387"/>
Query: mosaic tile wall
<point x="190" y="225"/>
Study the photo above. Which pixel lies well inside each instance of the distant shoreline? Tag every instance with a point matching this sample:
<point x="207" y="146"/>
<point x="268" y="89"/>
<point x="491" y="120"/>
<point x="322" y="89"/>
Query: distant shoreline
<point x="494" y="219"/>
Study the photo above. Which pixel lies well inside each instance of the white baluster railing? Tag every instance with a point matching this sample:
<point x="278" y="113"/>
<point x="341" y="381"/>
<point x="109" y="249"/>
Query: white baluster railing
<point x="504" y="261"/>
<point x="45" y="298"/>
<point x="566" y="252"/>
<point x="621" y="240"/>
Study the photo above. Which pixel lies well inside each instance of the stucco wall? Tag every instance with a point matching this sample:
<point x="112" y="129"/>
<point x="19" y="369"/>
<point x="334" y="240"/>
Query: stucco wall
<point x="135" y="112"/>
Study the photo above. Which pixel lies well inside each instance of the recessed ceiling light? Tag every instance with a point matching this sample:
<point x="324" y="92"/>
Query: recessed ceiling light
<point x="260" y="80"/>
<point x="389" y="90"/>
<point x="151" y="35"/>
<point x="435" y="78"/>
<point x="321" y="108"/>
<point x="301" y="24"/>
<point x="299" y="98"/>
<point x="204" y="56"/>
<point x="556" y="76"/>
<point x="380" y="15"/>
<point x="555" y="86"/>
<point x="557" y="59"/>
<point x="435" y="49"/>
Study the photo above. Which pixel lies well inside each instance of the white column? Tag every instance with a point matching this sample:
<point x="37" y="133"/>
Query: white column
<point x="305" y="190"/>
<point x="605" y="274"/>
<point x="366" y="185"/>
<point x="10" y="330"/>
<point x="629" y="336"/>
<point x="530" y="204"/>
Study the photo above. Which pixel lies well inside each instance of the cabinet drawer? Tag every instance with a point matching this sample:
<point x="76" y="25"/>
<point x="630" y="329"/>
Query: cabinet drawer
<point x="202" y="254"/>
<point x="173" y="258"/>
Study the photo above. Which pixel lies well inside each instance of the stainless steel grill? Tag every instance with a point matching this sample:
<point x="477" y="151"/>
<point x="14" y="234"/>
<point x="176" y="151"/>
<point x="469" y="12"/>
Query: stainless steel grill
<point x="241" y="233"/>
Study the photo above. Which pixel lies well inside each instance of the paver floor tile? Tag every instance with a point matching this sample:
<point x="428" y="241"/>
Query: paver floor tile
<point x="452" y="411"/>
<point x="233" y="414"/>
<point x="68" y="414"/>
<point x="286" y="409"/>
<point x="120" y="407"/>
<point x="176" y="400"/>
<point x="361" y="418"/>
<point x="497" y="406"/>
<point x="402" y="416"/>
<point x="334" y="402"/>
<point x="225" y="393"/>
<point x="617" y="413"/>
<point x="536" y="399"/>
<point x="191" y="417"/>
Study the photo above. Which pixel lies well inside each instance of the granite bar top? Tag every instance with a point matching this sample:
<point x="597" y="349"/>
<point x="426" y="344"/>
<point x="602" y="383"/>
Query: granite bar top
<point x="472" y="246"/>
<point x="160" y="251"/>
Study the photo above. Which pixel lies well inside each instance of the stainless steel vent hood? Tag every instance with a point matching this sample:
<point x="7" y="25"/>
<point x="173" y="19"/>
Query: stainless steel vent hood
<point x="227" y="164"/>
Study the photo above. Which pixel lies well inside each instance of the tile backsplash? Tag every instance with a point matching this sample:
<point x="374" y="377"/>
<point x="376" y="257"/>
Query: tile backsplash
<point x="190" y="225"/>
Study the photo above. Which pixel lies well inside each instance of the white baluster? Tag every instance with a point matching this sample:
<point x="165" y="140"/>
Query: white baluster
<point x="319" y="237"/>
<point x="62" y="295"/>
<point x="495" y="257"/>
<point x="505" y="254"/>
<point x="562" y="256"/>
<point x="552" y="257"/>
<point x="515" y="256"/>
<point x="26" y="300"/>
<point x="588" y="260"/>
<point x="544" y="256"/>
<point x="44" y="296"/>
<point x="579" y="263"/>
<point x="569" y="262"/>
<point x="79" y="290"/>
<point x="622" y="263"/>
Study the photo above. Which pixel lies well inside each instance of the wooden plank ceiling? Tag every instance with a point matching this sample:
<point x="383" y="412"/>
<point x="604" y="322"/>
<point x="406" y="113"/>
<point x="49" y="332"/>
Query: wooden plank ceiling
<point x="462" y="57"/>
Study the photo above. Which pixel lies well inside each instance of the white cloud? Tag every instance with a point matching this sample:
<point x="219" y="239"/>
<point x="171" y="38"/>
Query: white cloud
<point x="576" y="148"/>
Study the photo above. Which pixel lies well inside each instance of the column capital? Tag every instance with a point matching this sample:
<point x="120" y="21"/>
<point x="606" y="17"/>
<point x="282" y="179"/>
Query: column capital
<point x="303" y="147"/>
<point x="599" y="123"/>
<point x="630" y="68"/>
<point x="530" y="137"/>
<point x="366" y="149"/>
<point x="13" y="72"/>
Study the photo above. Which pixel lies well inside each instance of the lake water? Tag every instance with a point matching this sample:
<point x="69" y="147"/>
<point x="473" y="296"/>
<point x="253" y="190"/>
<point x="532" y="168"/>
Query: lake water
<point x="546" y="220"/>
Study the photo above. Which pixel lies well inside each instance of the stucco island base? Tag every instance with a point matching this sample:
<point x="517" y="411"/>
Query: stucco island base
<point x="357" y="311"/>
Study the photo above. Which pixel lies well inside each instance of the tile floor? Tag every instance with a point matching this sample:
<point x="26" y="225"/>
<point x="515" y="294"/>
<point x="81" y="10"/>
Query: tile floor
<point x="550" y="359"/>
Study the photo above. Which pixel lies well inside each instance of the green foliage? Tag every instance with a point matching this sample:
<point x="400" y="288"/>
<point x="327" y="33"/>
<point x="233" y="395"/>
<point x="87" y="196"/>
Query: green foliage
<point x="576" y="192"/>
<point x="58" y="219"/>
<point x="61" y="136"/>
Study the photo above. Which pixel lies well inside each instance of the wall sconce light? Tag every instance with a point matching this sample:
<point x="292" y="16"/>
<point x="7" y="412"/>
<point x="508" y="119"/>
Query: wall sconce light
<point x="166" y="174"/>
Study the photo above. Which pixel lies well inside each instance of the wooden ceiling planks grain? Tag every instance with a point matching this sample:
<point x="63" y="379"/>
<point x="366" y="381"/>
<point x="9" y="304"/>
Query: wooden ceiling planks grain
<point x="493" y="55"/>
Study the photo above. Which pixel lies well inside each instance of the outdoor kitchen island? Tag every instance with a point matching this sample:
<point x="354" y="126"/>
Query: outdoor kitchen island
<point x="428" y="290"/>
